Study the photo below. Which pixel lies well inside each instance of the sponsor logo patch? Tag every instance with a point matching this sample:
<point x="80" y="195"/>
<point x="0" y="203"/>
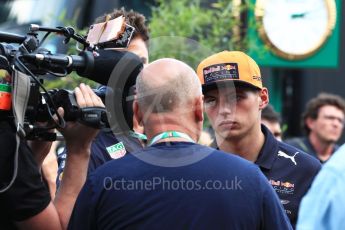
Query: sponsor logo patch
<point x="117" y="151"/>
<point x="220" y="72"/>
<point x="282" y="187"/>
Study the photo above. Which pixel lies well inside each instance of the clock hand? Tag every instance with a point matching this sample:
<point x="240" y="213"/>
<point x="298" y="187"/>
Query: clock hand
<point x="299" y="15"/>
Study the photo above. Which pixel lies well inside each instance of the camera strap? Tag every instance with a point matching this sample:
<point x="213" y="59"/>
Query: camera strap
<point x="20" y="97"/>
<point x="95" y="117"/>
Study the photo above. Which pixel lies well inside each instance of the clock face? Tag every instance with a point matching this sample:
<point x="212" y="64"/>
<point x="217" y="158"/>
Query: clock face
<point x="295" y="29"/>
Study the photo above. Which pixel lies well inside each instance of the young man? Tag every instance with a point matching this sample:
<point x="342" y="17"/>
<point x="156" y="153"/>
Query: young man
<point x="234" y="98"/>
<point x="171" y="183"/>
<point x="107" y="146"/>
<point x="323" y="122"/>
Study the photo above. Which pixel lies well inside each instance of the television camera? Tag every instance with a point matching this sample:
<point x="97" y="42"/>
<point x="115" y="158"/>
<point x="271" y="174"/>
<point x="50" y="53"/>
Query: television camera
<point x="27" y="62"/>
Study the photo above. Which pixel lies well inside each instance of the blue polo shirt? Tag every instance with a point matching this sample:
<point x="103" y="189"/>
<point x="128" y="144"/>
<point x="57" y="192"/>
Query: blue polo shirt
<point x="217" y="191"/>
<point x="323" y="206"/>
<point x="289" y="170"/>
<point x="104" y="148"/>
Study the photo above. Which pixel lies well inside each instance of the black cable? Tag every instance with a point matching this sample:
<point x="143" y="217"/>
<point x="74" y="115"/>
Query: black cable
<point x="58" y="74"/>
<point x="61" y="120"/>
<point x="44" y="38"/>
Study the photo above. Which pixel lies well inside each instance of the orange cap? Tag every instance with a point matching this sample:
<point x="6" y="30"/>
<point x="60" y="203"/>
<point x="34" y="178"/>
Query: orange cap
<point x="226" y="66"/>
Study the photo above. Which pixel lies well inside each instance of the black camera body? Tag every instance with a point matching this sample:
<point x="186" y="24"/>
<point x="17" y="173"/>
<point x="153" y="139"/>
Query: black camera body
<point x="41" y="106"/>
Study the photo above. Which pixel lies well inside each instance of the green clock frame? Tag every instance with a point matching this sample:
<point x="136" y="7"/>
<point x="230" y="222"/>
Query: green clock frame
<point x="326" y="57"/>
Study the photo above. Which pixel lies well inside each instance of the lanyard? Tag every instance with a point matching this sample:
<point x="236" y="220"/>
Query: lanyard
<point x="138" y="135"/>
<point x="169" y="134"/>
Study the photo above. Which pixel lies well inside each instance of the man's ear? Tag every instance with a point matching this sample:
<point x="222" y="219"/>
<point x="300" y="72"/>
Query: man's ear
<point x="309" y="122"/>
<point x="199" y="109"/>
<point x="264" y="98"/>
<point x="137" y="113"/>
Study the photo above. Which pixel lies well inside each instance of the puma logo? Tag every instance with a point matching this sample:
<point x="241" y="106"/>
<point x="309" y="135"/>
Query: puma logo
<point x="292" y="158"/>
<point x="284" y="201"/>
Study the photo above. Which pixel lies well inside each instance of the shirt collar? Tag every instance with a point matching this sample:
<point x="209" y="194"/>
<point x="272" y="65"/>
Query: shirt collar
<point x="312" y="151"/>
<point x="268" y="151"/>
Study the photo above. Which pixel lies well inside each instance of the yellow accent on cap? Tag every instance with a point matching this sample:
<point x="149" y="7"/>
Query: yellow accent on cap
<point x="248" y="70"/>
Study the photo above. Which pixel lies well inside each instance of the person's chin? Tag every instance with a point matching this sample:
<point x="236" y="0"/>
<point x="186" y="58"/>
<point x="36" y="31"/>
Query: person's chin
<point x="229" y="134"/>
<point x="334" y="136"/>
<point x="333" y="139"/>
<point x="330" y="139"/>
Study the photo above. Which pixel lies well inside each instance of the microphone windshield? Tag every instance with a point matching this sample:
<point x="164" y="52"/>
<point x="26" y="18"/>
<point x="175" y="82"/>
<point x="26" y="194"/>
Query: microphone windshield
<point x="118" y="70"/>
<point x="108" y="64"/>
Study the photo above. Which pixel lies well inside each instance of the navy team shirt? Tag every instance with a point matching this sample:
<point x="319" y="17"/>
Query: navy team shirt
<point x="218" y="191"/>
<point x="104" y="148"/>
<point x="289" y="170"/>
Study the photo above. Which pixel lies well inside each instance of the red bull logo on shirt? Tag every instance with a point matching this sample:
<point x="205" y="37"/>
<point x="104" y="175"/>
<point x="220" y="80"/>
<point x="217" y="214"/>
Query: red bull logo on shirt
<point x="287" y="185"/>
<point x="282" y="187"/>
<point x="274" y="183"/>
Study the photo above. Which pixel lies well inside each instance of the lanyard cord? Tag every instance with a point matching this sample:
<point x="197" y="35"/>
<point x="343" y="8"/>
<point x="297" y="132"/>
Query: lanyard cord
<point x="170" y="134"/>
<point x="138" y="135"/>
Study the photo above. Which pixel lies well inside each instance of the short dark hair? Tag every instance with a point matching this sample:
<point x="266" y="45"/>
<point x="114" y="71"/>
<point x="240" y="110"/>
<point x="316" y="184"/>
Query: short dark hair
<point x="133" y="18"/>
<point x="269" y="114"/>
<point x="314" y="105"/>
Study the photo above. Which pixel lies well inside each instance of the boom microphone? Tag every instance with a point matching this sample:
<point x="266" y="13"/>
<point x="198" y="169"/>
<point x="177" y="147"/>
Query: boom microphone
<point x="97" y="66"/>
<point x="118" y="70"/>
<point x="111" y="63"/>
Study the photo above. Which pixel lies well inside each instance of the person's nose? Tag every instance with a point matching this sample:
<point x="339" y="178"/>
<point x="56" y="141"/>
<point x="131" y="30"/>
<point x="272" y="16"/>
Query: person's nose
<point x="226" y="107"/>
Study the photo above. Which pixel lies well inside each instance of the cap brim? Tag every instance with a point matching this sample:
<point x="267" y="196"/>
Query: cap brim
<point x="227" y="83"/>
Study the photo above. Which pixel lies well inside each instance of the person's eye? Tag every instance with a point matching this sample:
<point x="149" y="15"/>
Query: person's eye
<point x="239" y="97"/>
<point x="209" y="102"/>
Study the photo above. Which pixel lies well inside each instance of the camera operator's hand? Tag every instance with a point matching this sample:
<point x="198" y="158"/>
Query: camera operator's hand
<point x="79" y="136"/>
<point x="78" y="139"/>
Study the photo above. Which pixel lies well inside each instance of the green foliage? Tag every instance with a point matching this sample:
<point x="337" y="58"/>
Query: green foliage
<point x="190" y="30"/>
<point x="72" y="80"/>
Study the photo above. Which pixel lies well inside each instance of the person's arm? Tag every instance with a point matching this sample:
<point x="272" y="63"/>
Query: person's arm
<point x="45" y="157"/>
<point x="84" y="216"/>
<point x="50" y="169"/>
<point x="323" y="206"/>
<point x="78" y="141"/>
<point x="46" y="219"/>
<point x="40" y="150"/>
